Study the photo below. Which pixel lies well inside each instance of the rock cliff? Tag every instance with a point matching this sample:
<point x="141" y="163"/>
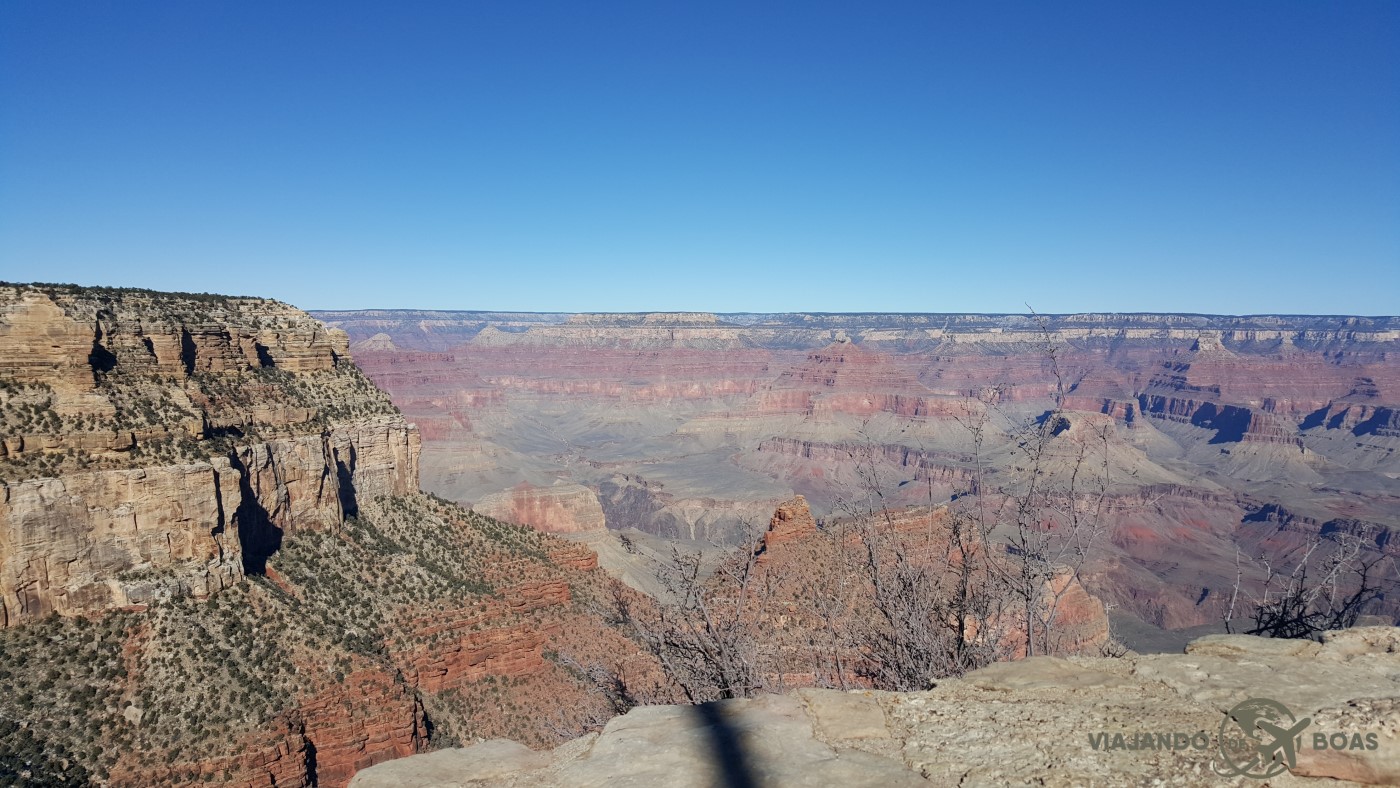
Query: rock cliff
<point x="1136" y="720"/>
<point x="560" y="508"/>
<point x="216" y="565"/>
<point x="157" y="444"/>
<point x="791" y="522"/>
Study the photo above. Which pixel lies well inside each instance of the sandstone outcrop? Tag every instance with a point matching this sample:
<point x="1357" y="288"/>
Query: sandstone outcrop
<point x="1043" y="721"/>
<point x="80" y="542"/>
<point x="791" y="522"/>
<point x="158" y="445"/>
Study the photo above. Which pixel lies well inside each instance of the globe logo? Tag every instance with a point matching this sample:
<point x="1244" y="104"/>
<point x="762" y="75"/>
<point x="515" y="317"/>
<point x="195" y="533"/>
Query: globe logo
<point x="1258" y="739"/>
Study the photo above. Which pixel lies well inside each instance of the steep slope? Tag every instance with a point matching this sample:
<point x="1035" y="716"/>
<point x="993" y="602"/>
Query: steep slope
<point x="216" y="565"/>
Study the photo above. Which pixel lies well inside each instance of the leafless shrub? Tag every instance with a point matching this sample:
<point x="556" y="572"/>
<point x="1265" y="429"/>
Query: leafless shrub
<point x="706" y="636"/>
<point x="935" y="610"/>
<point x="611" y="684"/>
<point x="1329" y="587"/>
<point x="1039" y="519"/>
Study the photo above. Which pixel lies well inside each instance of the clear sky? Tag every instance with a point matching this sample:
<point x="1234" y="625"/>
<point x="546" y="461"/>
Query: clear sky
<point x="925" y="156"/>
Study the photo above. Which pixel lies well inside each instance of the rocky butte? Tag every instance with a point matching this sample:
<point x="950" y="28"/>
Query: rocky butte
<point x="216" y="565"/>
<point x="156" y="445"/>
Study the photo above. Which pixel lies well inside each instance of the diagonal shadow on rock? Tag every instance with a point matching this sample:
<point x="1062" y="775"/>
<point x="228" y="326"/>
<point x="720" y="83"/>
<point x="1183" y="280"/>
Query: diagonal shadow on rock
<point x="735" y="771"/>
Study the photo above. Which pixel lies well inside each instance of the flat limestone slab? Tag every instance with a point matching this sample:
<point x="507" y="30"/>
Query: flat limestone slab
<point x="1040" y="721"/>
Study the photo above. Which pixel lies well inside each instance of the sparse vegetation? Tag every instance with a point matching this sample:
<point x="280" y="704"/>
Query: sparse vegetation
<point x="109" y="294"/>
<point x="1327" y="584"/>
<point x="897" y="600"/>
<point x="187" y="679"/>
<point x="65" y="679"/>
<point x="398" y="590"/>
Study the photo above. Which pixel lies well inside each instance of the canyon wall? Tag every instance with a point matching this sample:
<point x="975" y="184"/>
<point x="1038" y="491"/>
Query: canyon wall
<point x="559" y="508"/>
<point x="216" y="564"/>
<point x="157" y="444"/>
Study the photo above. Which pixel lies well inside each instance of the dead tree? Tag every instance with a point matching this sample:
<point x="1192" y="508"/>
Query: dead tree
<point x="705" y="634"/>
<point x="1328" y="587"/>
<point x="933" y="606"/>
<point x="1043" y="514"/>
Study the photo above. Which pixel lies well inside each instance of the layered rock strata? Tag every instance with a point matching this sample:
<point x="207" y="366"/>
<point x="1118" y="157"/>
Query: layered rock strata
<point x="692" y="427"/>
<point x="560" y="508"/>
<point x="251" y="591"/>
<point x="157" y="444"/>
<point x="791" y="522"/>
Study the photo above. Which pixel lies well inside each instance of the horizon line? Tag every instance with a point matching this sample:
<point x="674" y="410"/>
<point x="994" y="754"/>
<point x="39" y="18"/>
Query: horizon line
<point x="854" y="313"/>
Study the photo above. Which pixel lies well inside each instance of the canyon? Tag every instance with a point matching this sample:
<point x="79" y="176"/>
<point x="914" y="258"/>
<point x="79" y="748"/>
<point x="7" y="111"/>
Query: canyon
<point x="217" y="564"/>
<point x="1226" y="439"/>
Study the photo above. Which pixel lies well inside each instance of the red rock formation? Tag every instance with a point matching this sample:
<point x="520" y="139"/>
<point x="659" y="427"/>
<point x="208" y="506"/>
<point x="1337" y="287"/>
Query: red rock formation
<point x="574" y="556"/>
<point x="792" y="522"/>
<point x="455" y="648"/>
<point x="277" y="757"/>
<point x="369" y="719"/>
<point x="513" y="651"/>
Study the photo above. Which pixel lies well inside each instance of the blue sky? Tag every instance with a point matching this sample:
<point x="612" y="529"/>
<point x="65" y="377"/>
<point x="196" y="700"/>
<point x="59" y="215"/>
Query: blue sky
<point x="1205" y="157"/>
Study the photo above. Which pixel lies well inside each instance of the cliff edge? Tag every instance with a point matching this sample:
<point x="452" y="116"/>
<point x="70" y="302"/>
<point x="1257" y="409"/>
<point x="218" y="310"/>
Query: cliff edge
<point x="1136" y="720"/>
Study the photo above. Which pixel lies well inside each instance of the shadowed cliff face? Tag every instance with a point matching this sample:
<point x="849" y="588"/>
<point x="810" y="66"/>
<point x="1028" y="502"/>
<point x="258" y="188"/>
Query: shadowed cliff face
<point x="183" y="436"/>
<point x="414" y="624"/>
<point x="687" y="426"/>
